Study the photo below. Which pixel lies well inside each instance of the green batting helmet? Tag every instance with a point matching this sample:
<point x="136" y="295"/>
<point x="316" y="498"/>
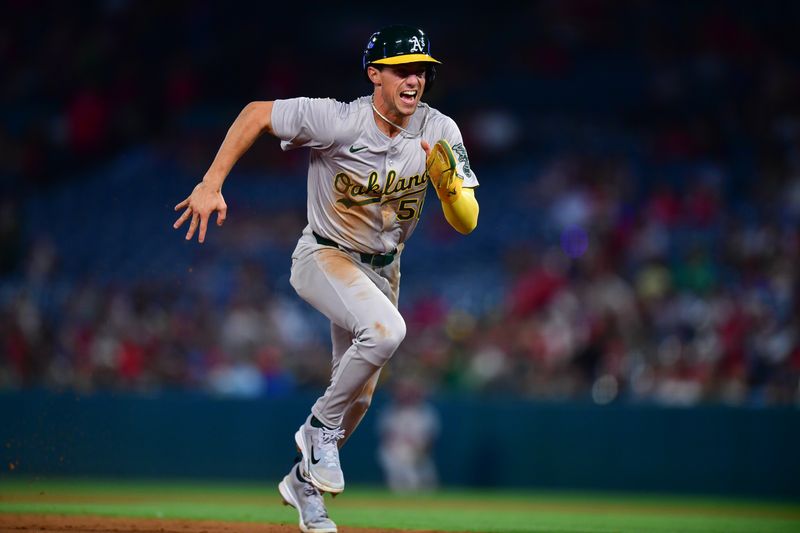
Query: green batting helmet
<point x="399" y="44"/>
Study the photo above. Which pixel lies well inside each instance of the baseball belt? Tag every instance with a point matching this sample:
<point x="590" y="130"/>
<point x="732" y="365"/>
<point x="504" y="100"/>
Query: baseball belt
<point x="375" y="260"/>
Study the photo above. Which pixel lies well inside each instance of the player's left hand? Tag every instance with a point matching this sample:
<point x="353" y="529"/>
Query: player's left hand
<point x="203" y="201"/>
<point x="440" y="169"/>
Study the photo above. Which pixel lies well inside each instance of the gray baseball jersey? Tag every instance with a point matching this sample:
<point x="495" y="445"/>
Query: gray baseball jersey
<point x="365" y="189"/>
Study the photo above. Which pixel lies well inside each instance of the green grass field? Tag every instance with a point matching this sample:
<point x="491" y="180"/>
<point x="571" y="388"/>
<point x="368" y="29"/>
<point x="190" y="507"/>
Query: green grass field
<point x="449" y="510"/>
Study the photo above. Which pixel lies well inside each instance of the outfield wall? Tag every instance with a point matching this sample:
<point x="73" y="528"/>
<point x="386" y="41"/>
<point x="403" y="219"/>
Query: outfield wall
<point x="501" y="443"/>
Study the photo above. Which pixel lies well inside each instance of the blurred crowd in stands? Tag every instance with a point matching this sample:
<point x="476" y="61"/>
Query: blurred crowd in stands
<point x="640" y="193"/>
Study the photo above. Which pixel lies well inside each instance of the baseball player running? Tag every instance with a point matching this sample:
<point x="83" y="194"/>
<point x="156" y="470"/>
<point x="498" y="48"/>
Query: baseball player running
<point x="370" y="163"/>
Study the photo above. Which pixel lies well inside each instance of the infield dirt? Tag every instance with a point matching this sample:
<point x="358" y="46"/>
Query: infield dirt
<point x="98" y="524"/>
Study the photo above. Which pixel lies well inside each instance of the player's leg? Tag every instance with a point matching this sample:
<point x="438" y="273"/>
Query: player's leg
<point x="341" y="340"/>
<point x="297" y="491"/>
<point x="349" y="295"/>
<point x="358" y="408"/>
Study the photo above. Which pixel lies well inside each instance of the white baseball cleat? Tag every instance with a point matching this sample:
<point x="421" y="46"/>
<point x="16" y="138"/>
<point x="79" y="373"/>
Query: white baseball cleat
<point x="308" y="501"/>
<point x="320" y="464"/>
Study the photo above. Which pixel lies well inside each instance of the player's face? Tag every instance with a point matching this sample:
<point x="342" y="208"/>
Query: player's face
<point x="402" y="87"/>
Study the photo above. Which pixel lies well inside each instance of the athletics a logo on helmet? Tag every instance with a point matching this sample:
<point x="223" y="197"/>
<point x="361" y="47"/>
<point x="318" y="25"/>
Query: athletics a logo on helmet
<point x="392" y="45"/>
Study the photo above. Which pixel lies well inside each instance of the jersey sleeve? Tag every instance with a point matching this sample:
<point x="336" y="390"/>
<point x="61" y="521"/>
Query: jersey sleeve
<point x="305" y="122"/>
<point x="452" y="135"/>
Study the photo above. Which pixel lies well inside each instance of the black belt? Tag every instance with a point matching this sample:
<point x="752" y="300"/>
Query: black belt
<point x="375" y="260"/>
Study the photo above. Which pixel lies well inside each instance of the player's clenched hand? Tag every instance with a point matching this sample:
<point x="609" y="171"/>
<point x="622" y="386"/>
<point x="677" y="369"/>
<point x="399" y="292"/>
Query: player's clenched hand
<point x="203" y="201"/>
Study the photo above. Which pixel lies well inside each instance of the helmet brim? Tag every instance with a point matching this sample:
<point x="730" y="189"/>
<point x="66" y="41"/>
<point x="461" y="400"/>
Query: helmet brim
<point x="405" y="58"/>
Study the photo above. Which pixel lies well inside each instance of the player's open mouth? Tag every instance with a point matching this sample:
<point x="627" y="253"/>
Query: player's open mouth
<point x="408" y="96"/>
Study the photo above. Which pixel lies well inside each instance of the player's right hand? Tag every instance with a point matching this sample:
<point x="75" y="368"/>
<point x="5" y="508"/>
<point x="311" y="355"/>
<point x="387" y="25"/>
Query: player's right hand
<point x="203" y="201"/>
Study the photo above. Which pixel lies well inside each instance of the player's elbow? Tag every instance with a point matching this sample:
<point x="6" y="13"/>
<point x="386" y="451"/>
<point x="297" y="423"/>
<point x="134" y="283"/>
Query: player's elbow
<point x="259" y="115"/>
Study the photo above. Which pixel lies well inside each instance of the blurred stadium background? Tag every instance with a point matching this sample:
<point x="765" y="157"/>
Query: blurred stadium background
<point x="625" y="316"/>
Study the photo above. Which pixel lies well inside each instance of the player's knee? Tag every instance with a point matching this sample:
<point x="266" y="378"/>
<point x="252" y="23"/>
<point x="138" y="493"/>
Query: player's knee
<point x="393" y="334"/>
<point x="385" y="335"/>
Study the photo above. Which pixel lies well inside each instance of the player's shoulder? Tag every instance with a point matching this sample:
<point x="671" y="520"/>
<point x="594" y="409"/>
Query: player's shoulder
<point x="349" y="110"/>
<point x="360" y="105"/>
<point x="435" y="114"/>
<point x="443" y="125"/>
<point x="313" y="103"/>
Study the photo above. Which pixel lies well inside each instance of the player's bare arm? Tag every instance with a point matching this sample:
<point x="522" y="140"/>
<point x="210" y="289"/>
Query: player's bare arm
<point x="461" y="208"/>
<point x="206" y="198"/>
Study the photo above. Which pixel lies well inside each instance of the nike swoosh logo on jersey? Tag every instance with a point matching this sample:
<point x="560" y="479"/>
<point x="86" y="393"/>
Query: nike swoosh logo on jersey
<point x="354" y="150"/>
<point x="314" y="460"/>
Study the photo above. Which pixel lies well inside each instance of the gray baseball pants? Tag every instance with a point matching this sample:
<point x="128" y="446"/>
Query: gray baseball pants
<point x="366" y="327"/>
